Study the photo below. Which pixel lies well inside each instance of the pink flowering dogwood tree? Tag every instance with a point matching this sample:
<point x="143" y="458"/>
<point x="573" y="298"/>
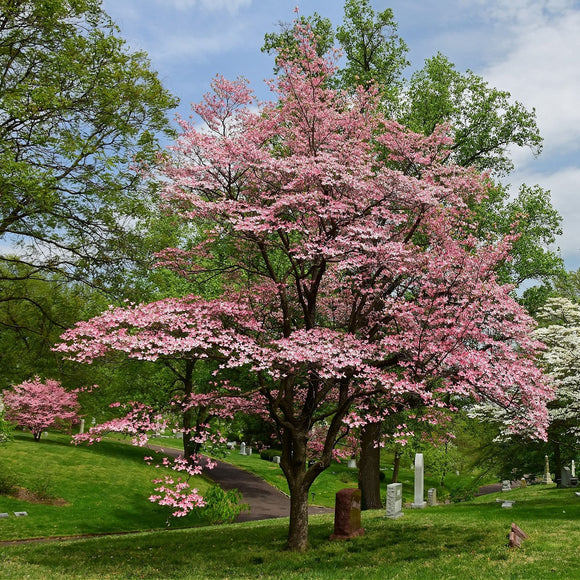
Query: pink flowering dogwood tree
<point x="350" y="270"/>
<point x="39" y="405"/>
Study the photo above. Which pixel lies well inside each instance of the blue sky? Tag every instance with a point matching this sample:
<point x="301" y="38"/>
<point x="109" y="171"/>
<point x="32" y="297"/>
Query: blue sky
<point x="530" y="48"/>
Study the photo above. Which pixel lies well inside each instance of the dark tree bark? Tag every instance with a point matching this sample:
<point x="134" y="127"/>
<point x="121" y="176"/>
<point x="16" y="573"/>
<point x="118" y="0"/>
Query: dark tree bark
<point x="369" y="481"/>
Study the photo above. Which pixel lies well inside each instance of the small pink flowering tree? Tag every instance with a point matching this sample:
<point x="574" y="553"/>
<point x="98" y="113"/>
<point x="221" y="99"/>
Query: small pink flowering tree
<point x="38" y="405"/>
<point x="353" y="281"/>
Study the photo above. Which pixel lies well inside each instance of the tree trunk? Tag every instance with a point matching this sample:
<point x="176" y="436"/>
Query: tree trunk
<point x="369" y="481"/>
<point x="298" y="529"/>
<point x="396" y="465"/>
<point x="299" y="479"/>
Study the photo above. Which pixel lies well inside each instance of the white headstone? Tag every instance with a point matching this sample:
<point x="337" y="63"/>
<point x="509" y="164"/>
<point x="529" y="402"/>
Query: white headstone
<point x="573" y="469"/>
<point x="507" y="504"/>
<point x="4" y="515"/>
<point x="20" y="514"/>
<point x="276" y="459"/>
<point x="352" y="463"/>
<point x="432" y="497"/>
<point x="506" y="485"/>
<point x="249" y="451"/>
<point x="419" y="503"/>
<point x="242" y="448"/>
<point x="394" y="500"/>
<point x="82" y="427"/>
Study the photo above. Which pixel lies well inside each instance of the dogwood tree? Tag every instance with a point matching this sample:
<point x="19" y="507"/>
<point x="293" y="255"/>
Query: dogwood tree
<point x="38" y="405"/>
<point x="560" y="330"/>
<point x="345" y="278"/>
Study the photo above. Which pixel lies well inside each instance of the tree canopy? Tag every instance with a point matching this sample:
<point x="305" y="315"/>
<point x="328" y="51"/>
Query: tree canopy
<point x="349" y="279"/>
<point x="79" y="113"/>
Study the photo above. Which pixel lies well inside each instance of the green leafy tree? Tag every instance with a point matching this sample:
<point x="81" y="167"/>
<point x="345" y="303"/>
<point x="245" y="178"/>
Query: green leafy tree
<point x="79" y="113"/>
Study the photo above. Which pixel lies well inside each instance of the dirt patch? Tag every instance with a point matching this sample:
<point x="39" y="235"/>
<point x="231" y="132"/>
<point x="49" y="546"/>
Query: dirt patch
<point x="35" y="497"/>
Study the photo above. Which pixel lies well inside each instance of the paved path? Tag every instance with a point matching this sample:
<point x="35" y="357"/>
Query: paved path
<point x="265" y="501"/>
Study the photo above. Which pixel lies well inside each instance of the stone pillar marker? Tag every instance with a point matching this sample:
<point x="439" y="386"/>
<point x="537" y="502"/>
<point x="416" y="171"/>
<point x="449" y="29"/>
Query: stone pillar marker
<point x="347" y="522"/>
<point x="419" y="503"/>
<point x="82" y="427"/>
<point x="547" y="477"/>
<point x="432" y="497"/>
<point x="573" y="469"/>
<point x="242" y="448"/>
<point x="394" y="500"/>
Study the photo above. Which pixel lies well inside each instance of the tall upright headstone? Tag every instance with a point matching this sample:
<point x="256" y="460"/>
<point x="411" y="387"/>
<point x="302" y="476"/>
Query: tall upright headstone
<point x="394" y="500"/>
<point x="82" y="427"/>
<point x="242" y="448"/>
<point x="566" y="477"/>
<point x="573" y="468"/>
<point x="419" y="502"/>
<point x="547" y="477"/>
<point x="347" y="522"/>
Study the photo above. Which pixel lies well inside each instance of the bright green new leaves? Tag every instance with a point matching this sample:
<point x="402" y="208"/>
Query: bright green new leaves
<point x="374" y="52"/>
<point x="483" y="120"/>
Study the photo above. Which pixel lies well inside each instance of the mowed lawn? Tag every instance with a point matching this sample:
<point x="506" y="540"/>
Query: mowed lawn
<point x="462" y="541"/>
<point x="98" y="489"/>
<point x="105" y="490"/>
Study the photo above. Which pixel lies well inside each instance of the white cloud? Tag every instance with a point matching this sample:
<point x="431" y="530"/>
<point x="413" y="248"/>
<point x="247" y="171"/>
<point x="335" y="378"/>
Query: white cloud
<point x="564" y="185"/>
<point x="543" y="71"/>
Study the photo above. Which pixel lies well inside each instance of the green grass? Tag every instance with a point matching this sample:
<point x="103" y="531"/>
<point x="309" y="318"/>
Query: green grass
<point x="466" y="540"/>
<point x="105" y="486"/>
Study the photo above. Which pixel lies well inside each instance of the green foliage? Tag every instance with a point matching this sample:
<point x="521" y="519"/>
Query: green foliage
<point x="483" y="120"/>
<point x="222" y="507"/>
<point x="374" y="51"/>
<point x="269" y="454"/>
<point x="285" y="41"/>
<point x="79" y="112"/>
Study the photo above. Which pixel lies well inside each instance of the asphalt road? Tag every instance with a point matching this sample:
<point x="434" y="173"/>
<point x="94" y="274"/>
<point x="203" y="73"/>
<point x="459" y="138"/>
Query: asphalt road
<point x="265" y="501"/>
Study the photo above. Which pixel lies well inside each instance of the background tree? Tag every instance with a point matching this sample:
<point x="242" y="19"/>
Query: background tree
<point x="37" y="406"/>
<point x="79" y="113"/>
<point x="350" y="279"/>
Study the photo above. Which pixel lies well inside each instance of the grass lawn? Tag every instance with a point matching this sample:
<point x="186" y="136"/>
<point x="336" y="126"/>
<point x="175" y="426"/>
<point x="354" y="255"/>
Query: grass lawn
<point x="105" y="488"/>
<point x="466" y="540"/>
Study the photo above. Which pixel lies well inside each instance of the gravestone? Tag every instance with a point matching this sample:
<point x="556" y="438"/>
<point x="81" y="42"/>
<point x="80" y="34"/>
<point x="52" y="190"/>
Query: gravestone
<point x="394" y="500"/>
<point x="242" y="448"/>
<point x="507" y="503"/>
<point x="276" y="459"/>
<point x="565" y="477"/>
<point x="20" y="514"/>
<point x="4" y="515"/>
<point x="419" y="503"/>
<point x="523" y="482"/>
<point x="249" y="451"/>
<point x="547" y="476"/>
<point x="82" y="427"/>
<point x="506" y="485"/>
<point x="516" y="536"/>
<point x="352" y="463"/>
<point x="573" y="470"/>
<point x="347" y="522"/>
<point x="432" y="497"/>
